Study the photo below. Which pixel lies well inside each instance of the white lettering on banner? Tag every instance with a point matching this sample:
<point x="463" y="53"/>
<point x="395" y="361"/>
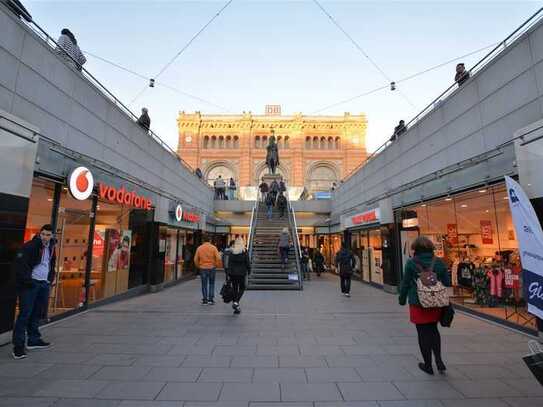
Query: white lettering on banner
<point x="530" y="239"/>
<point x="536" y="291"/>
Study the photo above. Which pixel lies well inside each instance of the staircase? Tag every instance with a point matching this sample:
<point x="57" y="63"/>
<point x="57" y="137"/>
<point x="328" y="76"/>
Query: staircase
<point x="266" y="270"/>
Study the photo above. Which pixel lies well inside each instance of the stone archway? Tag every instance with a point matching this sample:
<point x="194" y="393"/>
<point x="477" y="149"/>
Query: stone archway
<point x="222" y="168"/>
<point x="320" y="176"/>
<point x="262" y="169"/>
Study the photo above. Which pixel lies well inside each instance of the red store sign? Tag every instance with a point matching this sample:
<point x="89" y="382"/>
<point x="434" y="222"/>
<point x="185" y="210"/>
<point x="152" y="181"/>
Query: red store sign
<point x="363" y="218"/>
<point x="124" y="197"/>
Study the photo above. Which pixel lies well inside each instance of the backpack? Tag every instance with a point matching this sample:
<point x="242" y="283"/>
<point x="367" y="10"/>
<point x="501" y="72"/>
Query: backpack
<point x="346" y="264"/>
<point x="432" y="293"/>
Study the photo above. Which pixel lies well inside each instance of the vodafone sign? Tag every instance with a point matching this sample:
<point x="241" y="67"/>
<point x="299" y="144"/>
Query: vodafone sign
<point x="178" y="213"/>
<point x="81" y="183"/>
<point x="368" y="217"/>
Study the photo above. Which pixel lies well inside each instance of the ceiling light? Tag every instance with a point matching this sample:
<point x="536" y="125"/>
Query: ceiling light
<point x="448" y="199"/>
<point x="505" y="198"/>
<point x="423" y="205"/>
<point x="487" y="211"/>
<point x="50" y="199"/>
<point x="482" y="191"/>
<point x="463" y="206"/>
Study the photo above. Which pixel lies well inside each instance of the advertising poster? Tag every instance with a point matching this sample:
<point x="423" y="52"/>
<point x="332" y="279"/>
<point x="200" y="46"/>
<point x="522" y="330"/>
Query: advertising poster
<point x="119" y="259"/>
<point x="486" y="232"/>
<point x="530" y="239"/>
<point x="452" y="233"/>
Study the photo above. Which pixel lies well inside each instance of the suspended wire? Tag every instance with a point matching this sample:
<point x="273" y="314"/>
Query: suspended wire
<point x="357" y="46"/>
<point x="407" y="78"/>
<point x="171" y="61"/>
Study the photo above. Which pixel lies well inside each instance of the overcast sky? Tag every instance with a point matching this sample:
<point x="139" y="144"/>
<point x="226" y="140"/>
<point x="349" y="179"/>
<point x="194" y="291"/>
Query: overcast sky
<point x="281" y="52"/>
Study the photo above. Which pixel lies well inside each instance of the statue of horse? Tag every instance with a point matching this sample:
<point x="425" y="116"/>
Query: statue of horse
<point x="272" y="155"/>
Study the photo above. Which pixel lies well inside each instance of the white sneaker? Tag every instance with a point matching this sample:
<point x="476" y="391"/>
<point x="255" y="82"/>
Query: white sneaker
<point x="347" y="295"/>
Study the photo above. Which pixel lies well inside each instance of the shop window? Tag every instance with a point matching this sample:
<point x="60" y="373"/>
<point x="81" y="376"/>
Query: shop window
<point x="169" y="235"/>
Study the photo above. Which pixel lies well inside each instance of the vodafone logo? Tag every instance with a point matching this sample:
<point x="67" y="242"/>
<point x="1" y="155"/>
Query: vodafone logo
<point x="81" y="183"/>
<point x="178" y="213"/>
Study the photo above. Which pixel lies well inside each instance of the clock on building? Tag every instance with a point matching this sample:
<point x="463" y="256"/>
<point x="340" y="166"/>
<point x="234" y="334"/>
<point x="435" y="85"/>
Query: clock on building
<point x="188" y="139"/>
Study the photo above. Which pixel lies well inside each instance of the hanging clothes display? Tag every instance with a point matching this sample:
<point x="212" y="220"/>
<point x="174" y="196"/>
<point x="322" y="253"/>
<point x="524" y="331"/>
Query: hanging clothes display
<point x="481" y="289"/>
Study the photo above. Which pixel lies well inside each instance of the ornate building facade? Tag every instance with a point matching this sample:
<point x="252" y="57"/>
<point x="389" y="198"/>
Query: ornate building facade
<point x="314" y="151"/>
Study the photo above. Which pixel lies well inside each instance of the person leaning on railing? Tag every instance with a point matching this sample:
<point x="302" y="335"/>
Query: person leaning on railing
<point x="68" y="49"/>
<point x="461" y="74"/>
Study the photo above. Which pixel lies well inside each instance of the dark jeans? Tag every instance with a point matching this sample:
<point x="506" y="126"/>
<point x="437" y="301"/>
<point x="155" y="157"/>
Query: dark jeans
<point x="319" y="268"/>
<point x="281" y="211"/>
<point x="33" y="302"/>
<point x="283" y="252"/>
<point x="429" y="341"/>
<point x="345" y="283"/>
<point x="207" y="276"/>
<point x="270" y="212"/>
<point x="238" y="285"/>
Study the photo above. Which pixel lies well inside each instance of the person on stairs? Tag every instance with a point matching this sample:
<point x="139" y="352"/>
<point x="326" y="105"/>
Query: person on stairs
<point x="282" y="204"/>
<point x="208" y="260"/>
<point x="239" y="266"/>
<point x="269" y="205"/>
<point x="283" y="247"/>
<point x="345" y="262"/>
<point x="425" y="319"/>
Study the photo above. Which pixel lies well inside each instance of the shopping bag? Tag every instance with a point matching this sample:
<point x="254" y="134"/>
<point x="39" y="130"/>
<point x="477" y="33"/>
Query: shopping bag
<point x="227" y="291"/>
<point x="534" y="360"/>
<point x="447" y="316"/>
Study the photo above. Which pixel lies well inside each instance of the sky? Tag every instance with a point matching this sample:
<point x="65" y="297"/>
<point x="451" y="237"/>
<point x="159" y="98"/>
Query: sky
<point x="280" y="52"/>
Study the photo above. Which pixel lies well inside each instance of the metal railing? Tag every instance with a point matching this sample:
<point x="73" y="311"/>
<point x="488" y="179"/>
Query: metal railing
<point x="254" y="216"/>
<point x="296" y="241"/>
<point x="438" y="101"/>
<point x="43" y="35"/>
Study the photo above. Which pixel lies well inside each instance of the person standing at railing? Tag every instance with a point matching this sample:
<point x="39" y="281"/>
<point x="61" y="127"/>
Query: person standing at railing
<point x="399" y="130"/>
<point x="231" y="189"/>
<point x="283" y="246"/>
<point x="282" y="204"/>
<point x="67" y="48"/>
<point x="461" y="74"/>
<point x="263" y="190"/>
<point x="144" y="120"/>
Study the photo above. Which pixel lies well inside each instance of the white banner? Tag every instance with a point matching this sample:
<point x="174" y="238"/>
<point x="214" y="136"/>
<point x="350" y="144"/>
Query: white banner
<point x="530" y="240"/>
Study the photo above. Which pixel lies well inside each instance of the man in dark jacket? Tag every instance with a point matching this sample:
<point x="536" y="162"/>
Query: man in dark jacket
<point x="345" y="262"/>
<point x="144" y="120"/>
<point x="274" y="189"/>
<point x="319" y="262"/>
<point x="281" y="204"/>
<point x="35" y="272"/>
<point x="263" y="190"/>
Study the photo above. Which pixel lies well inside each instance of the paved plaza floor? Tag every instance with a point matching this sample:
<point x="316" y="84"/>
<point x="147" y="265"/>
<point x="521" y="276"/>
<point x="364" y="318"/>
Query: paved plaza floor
<point x="291" y="349"/>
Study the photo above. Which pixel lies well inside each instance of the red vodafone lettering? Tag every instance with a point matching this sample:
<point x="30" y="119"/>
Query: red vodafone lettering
<point x="123" y="197"/>
<point x="365" y="217"/>
<point x="191" y="217"/>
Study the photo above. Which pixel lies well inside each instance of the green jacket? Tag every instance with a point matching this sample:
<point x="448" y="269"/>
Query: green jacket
<point x="408" y="287"/>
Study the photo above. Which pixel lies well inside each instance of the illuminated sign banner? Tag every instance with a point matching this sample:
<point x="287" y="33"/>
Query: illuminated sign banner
<point x="179" y="214"/>
<point x="367" y="217"/>
<point x="123" y="197"/>
<point x="81" y="183"/>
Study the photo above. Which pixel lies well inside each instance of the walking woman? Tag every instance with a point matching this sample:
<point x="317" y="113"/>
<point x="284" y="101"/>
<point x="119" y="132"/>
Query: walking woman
<point x="425" y="319"/>
<point x="239" y="266"/>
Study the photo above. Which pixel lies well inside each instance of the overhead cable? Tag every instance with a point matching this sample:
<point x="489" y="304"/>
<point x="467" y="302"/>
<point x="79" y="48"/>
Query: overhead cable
<point x="146" y="78"/>
<point x="171" y="61"/>
<point x="407" y="78"/>
<point x="357" y="46"/>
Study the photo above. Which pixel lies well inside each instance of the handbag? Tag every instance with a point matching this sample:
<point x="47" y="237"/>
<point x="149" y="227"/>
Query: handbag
<point x="227" y="291"/>
<point x="534" y="360"/>
<point x="447" y="316"/>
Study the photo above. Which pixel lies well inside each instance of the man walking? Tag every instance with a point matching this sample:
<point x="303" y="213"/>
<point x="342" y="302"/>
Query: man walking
<point x="207" y="259"/>
<point x="263" y="190"/>
<point x="283" y="247"/>
<point x="346" y="263"/>
<point x="269" y="205"/>
<point x="35" y="271"/>
<point x="281" y="204"/>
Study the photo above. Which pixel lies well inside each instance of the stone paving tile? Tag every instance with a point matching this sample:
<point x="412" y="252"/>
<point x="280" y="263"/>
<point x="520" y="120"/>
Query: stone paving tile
<point x="25" y="369"/>
<point x="191" y="391"/>
<point x="332" y="375"/>
<point x="383" y="373"/>
<point x="160" y="361"/>
<point x="131" y="390"/>
<point x="251" y="392"/>
<point x="335" y="340"/>
<point x="350" y="361"/>
<point x="255" y="361"/>
<point x="411" y="403"/>
<point x="302" y="361"/>
<point x="347" y="404"/>
<point x="257" y="404"/>
<point x="139" y="403"/>
<point x="115" y="373"/>
<point x="223" y="374"/>
<point x="279" y="350"/>
<point x="27" y="402"/>
<point x="235" y="350"/>
<point x="216" y="404"/>
<point x="112" y="360"/>
<point x="309" y="392"/>
<point x="421" y="390"/>
<point x="173" y="374"/>
<point x="72" y="389"/>
<point x="475" y="403"/>
<point x="484" y="371"/>
<point x="524" y="402"/>
<point x="191" y="349"/>
<point x="87" y="403"/>
<point x="321" y="350"/>
<point x="279" y="375"/>
<point x="62" y="371"/>
<point x="369" y="391"/>
<point x="526" y="387"/>
<point x="206" y="361"/>
<point x="484" y="388"/>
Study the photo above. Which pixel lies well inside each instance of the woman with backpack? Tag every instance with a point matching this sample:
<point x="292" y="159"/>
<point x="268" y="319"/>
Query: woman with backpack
<point x="424" y="286"/>
<point x="239" y="266"/>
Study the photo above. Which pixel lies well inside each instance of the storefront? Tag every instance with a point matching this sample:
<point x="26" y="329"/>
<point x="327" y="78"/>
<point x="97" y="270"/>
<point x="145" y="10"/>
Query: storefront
<point x="473" y="232"/>
<point x="370" y="235"/>
<point x="101" y="232"/>
<point x="176" y="242"/>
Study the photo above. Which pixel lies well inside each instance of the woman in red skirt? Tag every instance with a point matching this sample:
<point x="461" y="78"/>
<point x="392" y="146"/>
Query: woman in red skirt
<point x="425" y="319"/>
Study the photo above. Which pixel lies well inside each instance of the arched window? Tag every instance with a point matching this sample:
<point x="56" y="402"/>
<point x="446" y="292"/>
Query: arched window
<point x="315" y="143"/>
<point x="279" y="142"/>
<point x="323" y="143"/>
<point x="221" y="141"/>
<point x="225" y="173"/>
<point x="286" y="142"/>
<point x="206" y="142"/>
<point x="228" y="141"/>
<point x="308" y="143"/>
<point x="330" y="143"/>
<point x="321" y="178"/>
<point x="213" y="141"/>
<point x="236" y="142"/>
<point x="264" y="141"/>
<point x="338" y="143"/>
<point x="257" y="142"/>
